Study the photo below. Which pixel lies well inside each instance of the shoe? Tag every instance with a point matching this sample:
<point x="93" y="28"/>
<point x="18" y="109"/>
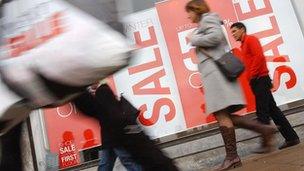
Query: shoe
<point x="287" y="144"/>
<point x="263" y="149"/>
<point x="230" y="164"/>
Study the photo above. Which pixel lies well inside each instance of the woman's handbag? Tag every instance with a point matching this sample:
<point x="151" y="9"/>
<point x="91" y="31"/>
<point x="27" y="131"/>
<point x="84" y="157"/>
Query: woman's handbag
<point x="231" y="66"/>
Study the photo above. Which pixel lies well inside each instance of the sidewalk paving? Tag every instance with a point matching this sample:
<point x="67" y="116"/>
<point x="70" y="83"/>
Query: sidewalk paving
<point x="290" y="159"/>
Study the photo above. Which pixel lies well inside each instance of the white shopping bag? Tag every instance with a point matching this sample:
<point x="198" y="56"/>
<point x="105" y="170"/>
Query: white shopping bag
<point x="70" y="46"/>
<point x="58" y="41"/>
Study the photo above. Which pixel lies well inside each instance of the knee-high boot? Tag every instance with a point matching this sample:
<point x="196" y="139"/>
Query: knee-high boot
<point x="232" y="159"/>
<point x="267" y="132"/>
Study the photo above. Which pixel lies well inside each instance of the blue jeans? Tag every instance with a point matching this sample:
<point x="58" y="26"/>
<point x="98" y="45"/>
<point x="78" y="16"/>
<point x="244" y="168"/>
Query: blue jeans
<point x="109" y="155"/>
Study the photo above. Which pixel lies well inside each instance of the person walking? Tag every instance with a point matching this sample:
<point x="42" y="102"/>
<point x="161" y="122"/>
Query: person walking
<point x="118" y="118"/>
<point x="110" y="148"/>
<point x="261" y="84"/>
<point x="222" y="97"/>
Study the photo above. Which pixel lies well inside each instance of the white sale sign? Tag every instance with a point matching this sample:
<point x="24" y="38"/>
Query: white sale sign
<point x="149" y="82"/>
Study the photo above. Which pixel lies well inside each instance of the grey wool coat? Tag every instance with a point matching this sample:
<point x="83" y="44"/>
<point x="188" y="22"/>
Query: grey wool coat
<point x="219" y="92"/>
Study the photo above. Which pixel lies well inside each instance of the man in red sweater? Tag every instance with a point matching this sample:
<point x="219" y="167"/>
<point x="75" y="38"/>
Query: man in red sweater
<point x="261" y="84"/>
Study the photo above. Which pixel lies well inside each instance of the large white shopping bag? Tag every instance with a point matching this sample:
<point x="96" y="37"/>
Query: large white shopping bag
<point x="58" y="41"/>
<point x="67" y="45"/>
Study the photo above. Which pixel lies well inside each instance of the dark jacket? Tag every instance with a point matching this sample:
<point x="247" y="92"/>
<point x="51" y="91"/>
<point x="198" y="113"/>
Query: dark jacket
<point x="112" y="114"/>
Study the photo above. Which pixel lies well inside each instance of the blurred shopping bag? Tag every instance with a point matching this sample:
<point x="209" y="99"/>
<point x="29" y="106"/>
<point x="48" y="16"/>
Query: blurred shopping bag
<point x="59" y="42"/>
<point x="63" y="43"/>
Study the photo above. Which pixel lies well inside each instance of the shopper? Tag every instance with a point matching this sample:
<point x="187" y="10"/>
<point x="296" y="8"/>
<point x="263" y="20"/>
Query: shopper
<point x="122" y="130"/>
<point x="261" y="84"/>
<point x="222" y="97"/>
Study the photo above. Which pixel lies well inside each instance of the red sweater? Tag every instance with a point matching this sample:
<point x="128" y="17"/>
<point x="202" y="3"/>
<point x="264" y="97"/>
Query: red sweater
<point x="253" y="57"/>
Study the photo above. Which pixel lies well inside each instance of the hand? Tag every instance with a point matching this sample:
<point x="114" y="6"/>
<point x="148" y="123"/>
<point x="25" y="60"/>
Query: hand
<point x="92" y="89"/>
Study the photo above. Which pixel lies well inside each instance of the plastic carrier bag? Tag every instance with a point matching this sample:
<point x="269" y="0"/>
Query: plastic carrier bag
<point x="58" y="41"/>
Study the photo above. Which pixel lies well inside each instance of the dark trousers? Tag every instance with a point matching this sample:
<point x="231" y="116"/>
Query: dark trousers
<point x="110" y="113"/>
<point x="266" y="107"/>
<point x="10" y="150"/>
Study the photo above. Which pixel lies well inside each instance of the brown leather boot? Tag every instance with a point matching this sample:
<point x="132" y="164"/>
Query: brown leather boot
<point x="232" y="159"/>
<point x="267" y="132"/>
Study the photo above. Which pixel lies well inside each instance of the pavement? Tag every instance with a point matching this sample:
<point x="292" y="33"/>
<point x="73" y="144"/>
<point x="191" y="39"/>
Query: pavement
<point x="290" y="159"/>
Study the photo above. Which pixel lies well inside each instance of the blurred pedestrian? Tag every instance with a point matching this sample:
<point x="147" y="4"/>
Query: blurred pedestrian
<point x="110" y="148"/>
<point x="122" y="132"/>
<point x="223" y="97"/>
<point x="261" y="84"/>
<point x="32" y="78"/>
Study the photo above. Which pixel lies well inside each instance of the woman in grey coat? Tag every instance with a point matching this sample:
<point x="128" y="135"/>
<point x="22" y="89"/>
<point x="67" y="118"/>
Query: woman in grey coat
<point x="222" y="97"/>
